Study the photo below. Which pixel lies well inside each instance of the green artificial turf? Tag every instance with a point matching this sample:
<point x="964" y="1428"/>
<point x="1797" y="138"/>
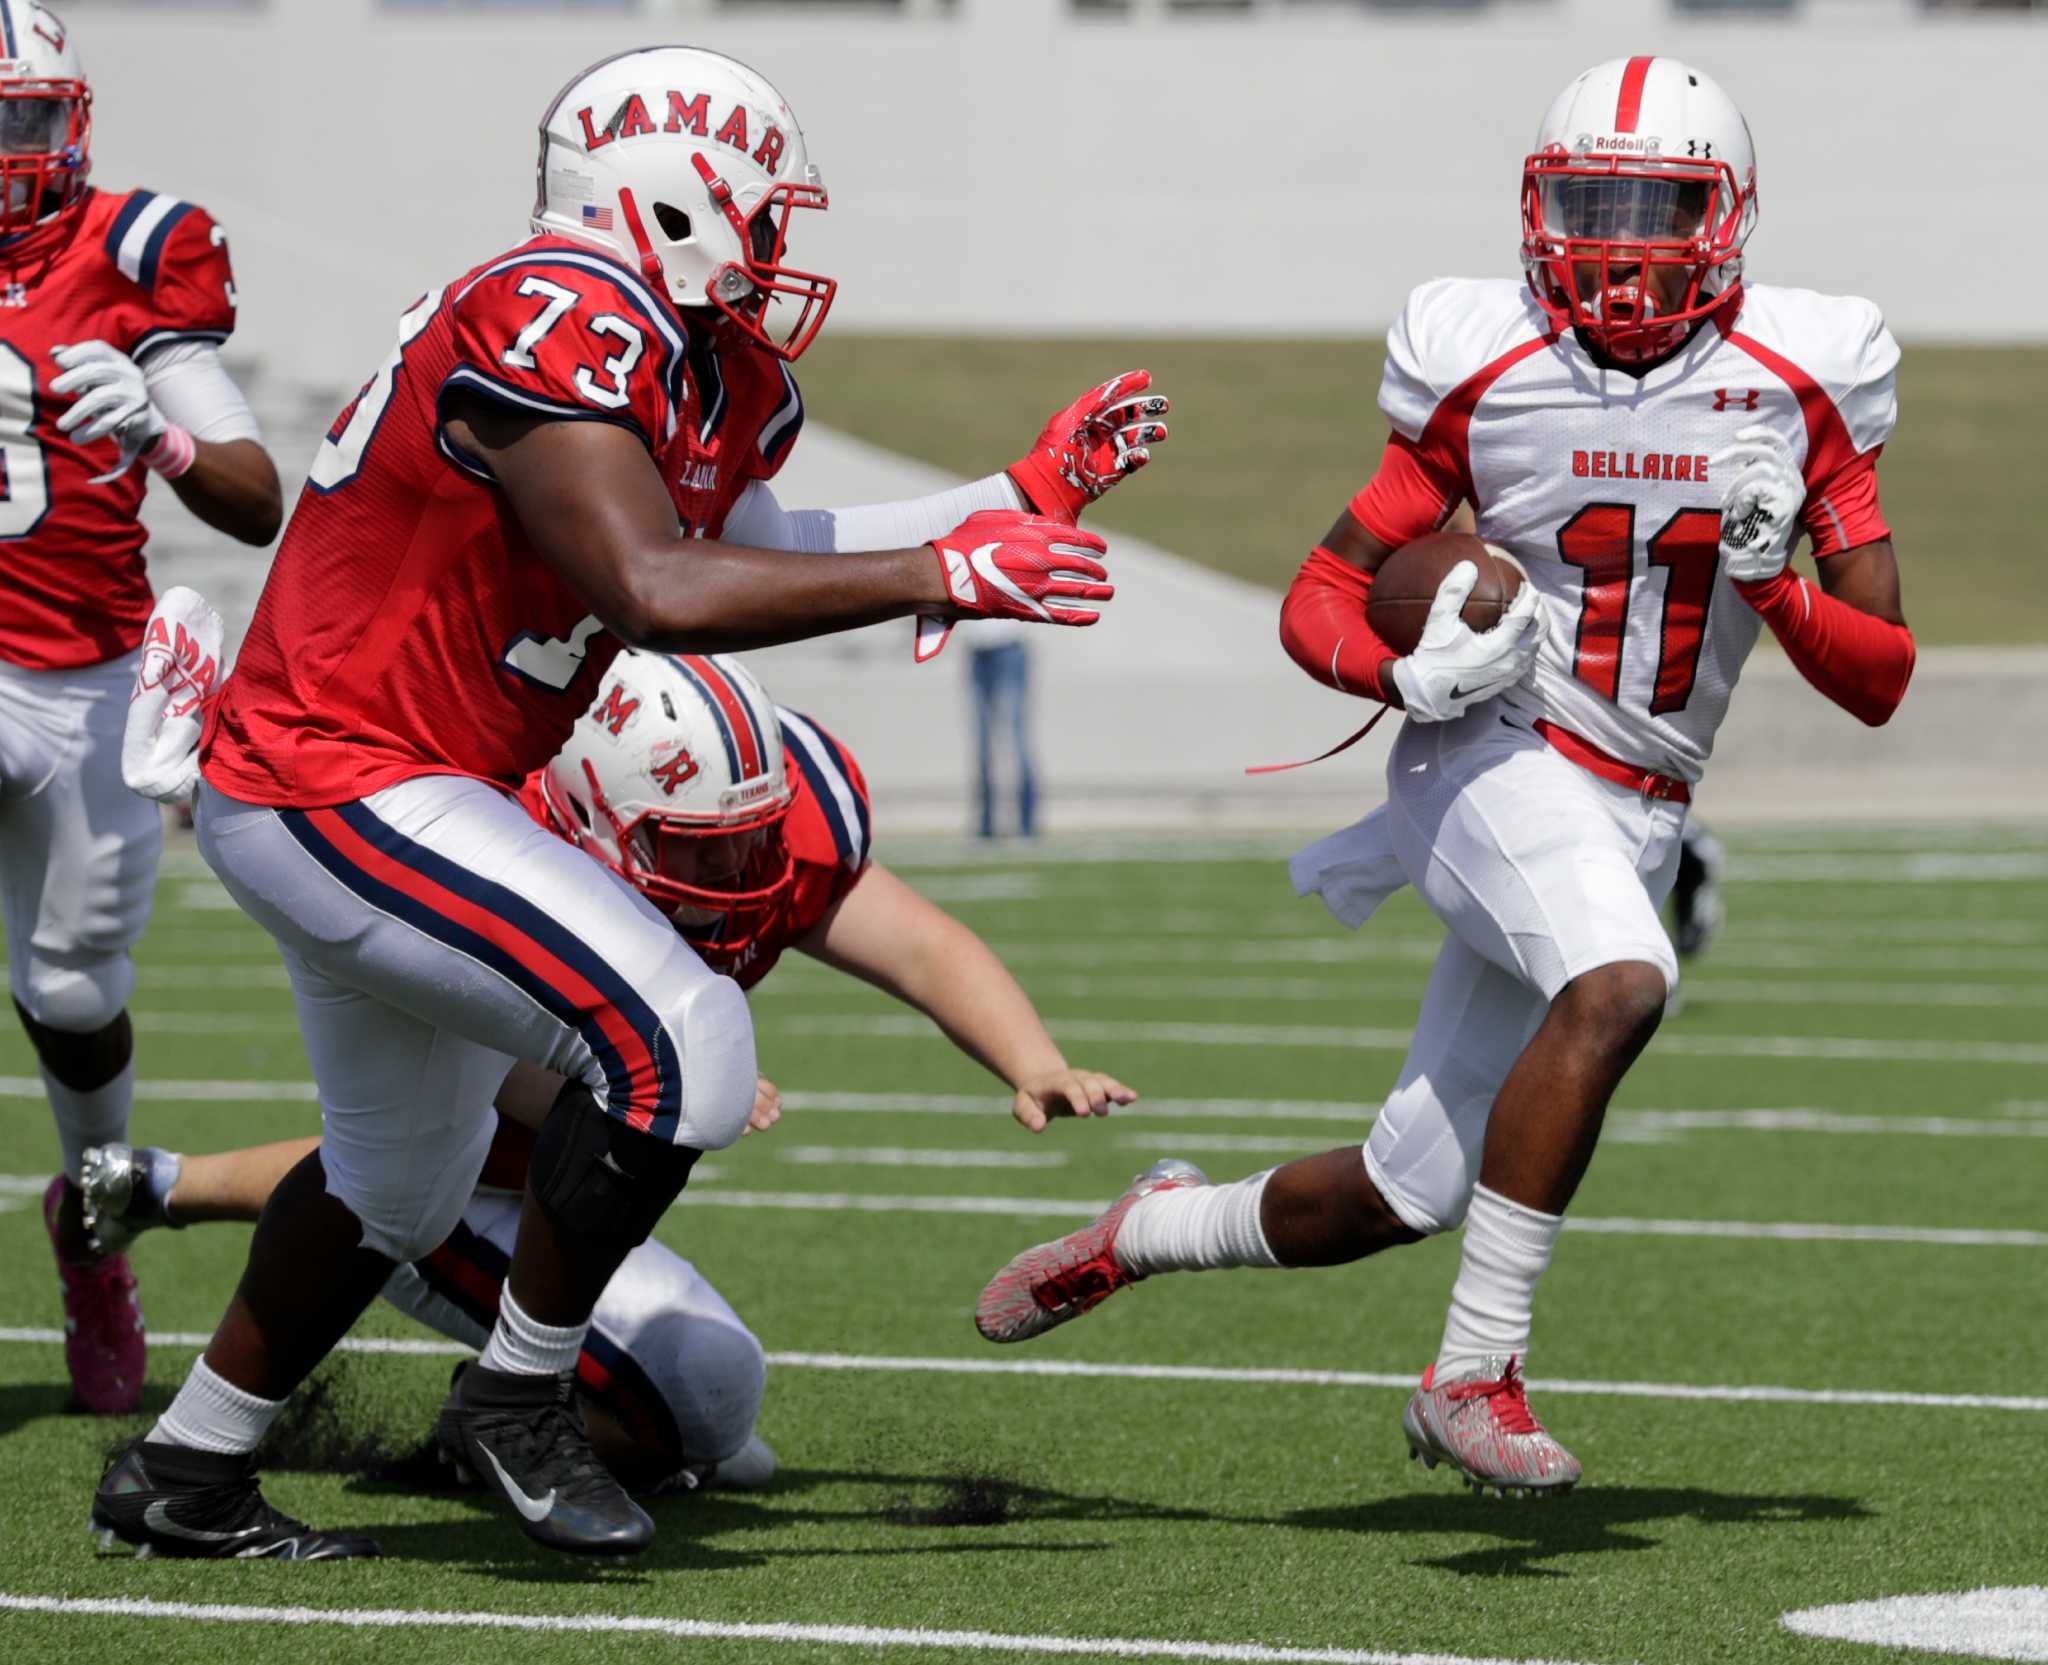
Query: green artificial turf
<point x="1187" y="1510"/>
<point x="1272" y="438"/>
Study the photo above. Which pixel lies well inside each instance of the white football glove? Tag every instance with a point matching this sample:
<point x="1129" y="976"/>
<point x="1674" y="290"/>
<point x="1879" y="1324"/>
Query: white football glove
<point x="181" y="649"/>
<point x="113" y="402"/>
<point x="1759" y="505"/>
<point x="1455" y="667"/>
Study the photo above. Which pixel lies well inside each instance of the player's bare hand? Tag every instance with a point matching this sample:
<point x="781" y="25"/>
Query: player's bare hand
<point x="1067" y="1092"/>
<point x="767" y="1109"/>
<point x="998" y="564"/>
<point x="1455" y="667"/>
<point x="1760" y="504"/>
<point x="1103" y="437"/>
<point x="111" y="402"/>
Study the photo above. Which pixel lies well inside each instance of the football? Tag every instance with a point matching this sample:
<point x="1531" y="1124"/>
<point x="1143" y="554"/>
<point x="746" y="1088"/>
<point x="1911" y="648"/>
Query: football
<point x="1407" y="581"/>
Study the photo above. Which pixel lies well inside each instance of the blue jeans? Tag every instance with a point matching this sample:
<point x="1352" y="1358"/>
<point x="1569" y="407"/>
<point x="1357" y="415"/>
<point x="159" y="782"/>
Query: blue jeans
<point x="1002" y="691"/>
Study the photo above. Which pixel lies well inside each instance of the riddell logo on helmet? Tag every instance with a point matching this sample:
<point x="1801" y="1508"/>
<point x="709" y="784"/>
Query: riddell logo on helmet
<point x="1633" y="144"/>
<point x="685" y="115"/>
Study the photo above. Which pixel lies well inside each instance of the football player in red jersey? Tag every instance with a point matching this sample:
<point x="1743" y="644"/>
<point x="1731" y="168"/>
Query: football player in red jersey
<point x="1647" y="434"/>
<point x="113" y="307"/>
<point x="750" y="827"/>
<point x="486" y="524"/>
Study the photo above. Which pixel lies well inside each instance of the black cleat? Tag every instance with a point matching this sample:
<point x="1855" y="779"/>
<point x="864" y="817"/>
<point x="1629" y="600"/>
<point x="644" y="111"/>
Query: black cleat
<point x="168" y="1500"/>
<point x="523" y="1438"/>
<point x="1696" y="892"/>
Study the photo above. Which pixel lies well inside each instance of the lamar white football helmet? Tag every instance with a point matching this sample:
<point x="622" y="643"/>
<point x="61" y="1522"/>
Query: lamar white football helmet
<point x="45" y="117"/>
<point x="675" y="780"/>
<point x="1636" y="202"/>
<point x="687" y="165"/>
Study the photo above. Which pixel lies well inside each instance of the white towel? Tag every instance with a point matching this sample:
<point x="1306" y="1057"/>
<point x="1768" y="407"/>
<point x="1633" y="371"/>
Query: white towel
<point x="1353" y="871"/>
<point x="180" y="664"/>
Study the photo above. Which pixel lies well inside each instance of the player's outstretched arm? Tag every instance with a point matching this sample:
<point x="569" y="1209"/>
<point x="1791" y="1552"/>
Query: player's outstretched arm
<point x="883" y="932"/>
<point x="590" y="499"/>
<point x="233" y="487"/>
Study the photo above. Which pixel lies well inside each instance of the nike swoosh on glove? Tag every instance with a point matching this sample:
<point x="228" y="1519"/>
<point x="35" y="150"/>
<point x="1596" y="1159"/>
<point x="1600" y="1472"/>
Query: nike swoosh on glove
<point x="181" y="647"/>
<point x="999" y="564"/>
<point x="1455" y="667"/>
<point x="1759" y="506"/>
<point x="112" y="402"/>
<point x="1104" y="436"/>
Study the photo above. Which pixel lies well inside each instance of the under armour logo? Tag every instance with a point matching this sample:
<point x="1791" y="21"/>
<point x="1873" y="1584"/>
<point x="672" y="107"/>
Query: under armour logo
<point x="1745" y="400"/>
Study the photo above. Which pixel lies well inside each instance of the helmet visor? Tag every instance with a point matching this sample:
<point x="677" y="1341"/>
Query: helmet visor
<point x="34" y="126"/>
<point x="1627" y="208"/>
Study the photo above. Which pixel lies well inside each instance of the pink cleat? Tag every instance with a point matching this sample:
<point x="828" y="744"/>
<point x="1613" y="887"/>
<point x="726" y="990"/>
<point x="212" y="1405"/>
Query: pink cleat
<point x="1480" y="1423"/>
<point x="104" y="1342"/>
<point x="1045" y="1286"/>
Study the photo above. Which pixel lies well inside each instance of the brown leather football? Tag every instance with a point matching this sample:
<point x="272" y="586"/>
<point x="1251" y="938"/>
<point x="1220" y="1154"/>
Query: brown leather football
<point x="1407" y="581"/>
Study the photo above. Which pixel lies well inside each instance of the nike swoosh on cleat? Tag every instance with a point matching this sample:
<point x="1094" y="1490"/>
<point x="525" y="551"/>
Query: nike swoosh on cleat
<point x="534" y="1509"/>
<point x="157" y="1517"/>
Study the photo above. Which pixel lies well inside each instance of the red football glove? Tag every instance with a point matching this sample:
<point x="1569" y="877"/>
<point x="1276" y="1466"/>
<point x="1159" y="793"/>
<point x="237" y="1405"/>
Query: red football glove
<point x="1096" y="441"/>
<point x="1002" y="565"/>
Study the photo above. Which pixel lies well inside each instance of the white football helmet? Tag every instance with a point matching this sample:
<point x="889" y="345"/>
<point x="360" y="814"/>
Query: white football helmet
<point x="675" y="780"/>
<point x="1636" y="202"/>
<point x="687" y="165"/>
<point x="45" y="117"/>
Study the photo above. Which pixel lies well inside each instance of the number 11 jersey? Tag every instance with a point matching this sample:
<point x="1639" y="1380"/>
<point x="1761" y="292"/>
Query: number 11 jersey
<point x="1600" y="483"/>
<point x="409" y="627"/>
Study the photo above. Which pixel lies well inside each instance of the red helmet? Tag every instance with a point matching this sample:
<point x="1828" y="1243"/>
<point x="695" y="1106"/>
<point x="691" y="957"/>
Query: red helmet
<point x="45" y="117"/>
<point x="675" y="780"/>
<point x="1636" y="203"/>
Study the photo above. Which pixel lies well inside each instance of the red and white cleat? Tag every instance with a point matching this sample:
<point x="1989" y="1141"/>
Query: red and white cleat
<point x="1480" y="1423"/>
<point x="105" y="1345"/>
<point x="1045" y="1286"/>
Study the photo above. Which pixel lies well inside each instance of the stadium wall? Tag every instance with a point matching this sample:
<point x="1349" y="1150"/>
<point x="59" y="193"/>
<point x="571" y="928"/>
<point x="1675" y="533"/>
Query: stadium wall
<point x="1008" y="165"/>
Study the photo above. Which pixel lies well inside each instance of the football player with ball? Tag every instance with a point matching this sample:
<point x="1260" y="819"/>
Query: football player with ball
<point x="1643" y="435"/>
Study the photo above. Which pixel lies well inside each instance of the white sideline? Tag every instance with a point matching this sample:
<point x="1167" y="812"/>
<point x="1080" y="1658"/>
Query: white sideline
<point x="709" y="1630"/>
<point x="1837" y="1048"/>
<point x="1227" y="1375"/>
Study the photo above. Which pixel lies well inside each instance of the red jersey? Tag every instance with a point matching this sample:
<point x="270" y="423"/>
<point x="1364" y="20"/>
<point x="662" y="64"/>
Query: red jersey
<point x="829" y="829"/>
<point x="140" y="272"/>
<point x="408" y="626"/>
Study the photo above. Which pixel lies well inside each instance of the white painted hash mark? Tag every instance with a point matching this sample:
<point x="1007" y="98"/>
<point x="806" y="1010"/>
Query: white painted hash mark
<point x="855" y="1636"/>
<point x="1224" y="1375"/>
<point x="1990" y="1623"/>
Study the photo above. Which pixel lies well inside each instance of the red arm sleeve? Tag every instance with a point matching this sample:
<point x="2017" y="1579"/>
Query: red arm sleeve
<point x="1323" y="628"/>
<point x="1841" y="509"/>
<point x="1859" y="662"/>
<point x="1413" y="493"/>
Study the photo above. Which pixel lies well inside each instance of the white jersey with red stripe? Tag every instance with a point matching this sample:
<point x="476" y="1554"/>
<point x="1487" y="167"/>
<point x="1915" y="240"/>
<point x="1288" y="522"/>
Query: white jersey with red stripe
<point x="1600" y="483"/>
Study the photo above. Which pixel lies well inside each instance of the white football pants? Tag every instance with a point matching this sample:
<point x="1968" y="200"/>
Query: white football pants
<point x="434" y="933"/>
<point x="1541" y="872"/>
<point x="78" y="859"/>
<point x="666" y="1354"/>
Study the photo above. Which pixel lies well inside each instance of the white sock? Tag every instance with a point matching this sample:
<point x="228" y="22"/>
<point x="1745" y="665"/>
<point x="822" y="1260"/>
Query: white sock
<point x="522" y="1347"/>
<point x="98" y="1117"/>
<point x="1507" y="1247"/>
<point x="1196" y="1228"/>
<point x="212" y="1414"/>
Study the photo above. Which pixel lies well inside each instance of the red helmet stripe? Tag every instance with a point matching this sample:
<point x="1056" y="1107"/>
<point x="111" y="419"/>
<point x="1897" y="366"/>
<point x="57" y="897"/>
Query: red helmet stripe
<point x="734" y="709"/>
<point x="1631" y="106"/>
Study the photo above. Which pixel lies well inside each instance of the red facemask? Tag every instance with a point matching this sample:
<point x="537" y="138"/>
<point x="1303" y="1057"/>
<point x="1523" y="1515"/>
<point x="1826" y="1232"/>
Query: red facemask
<point x="1622" y="249"/>
<point x="742" y="904"/>
<point x="45" y="144"/>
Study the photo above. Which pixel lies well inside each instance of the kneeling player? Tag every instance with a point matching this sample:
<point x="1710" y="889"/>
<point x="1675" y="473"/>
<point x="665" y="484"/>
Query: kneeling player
<point x="749" y="826"/>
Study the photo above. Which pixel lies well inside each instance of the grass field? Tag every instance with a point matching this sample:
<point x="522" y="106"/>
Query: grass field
<point x="1270" y="440"/>
<point x="1864" y="1049"/>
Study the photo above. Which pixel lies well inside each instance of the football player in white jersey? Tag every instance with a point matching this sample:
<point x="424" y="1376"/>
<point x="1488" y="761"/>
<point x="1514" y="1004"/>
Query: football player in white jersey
<point x="1647" y="435"/>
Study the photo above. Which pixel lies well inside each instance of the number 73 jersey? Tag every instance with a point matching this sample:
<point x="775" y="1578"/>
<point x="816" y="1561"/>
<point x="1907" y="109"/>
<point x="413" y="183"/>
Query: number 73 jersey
<point x="409" y="627"/>
<point x="1602" y="485"/>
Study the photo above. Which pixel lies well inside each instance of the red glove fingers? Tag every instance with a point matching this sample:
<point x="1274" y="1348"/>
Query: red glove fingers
<point x="1093" y="443"/>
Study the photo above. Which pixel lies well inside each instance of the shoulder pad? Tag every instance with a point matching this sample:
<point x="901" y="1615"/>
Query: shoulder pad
<point x="1449" y="330"/>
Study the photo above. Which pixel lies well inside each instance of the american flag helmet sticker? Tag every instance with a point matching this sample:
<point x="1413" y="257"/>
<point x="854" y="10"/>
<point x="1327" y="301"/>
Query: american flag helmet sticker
<point x="598" y="219"/>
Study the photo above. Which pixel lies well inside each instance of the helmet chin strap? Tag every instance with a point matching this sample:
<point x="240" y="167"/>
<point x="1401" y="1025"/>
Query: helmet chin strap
<point x="650" y="262"/>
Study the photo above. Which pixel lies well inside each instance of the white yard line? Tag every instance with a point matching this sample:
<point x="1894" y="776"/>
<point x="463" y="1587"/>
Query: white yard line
<point x="1222" y="1375"/>
<point x="1833" y="1048"/>
<point x="2007" y="1623"/>
<point x="710" y="1630"/>
<point x="899" y="1156"/>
